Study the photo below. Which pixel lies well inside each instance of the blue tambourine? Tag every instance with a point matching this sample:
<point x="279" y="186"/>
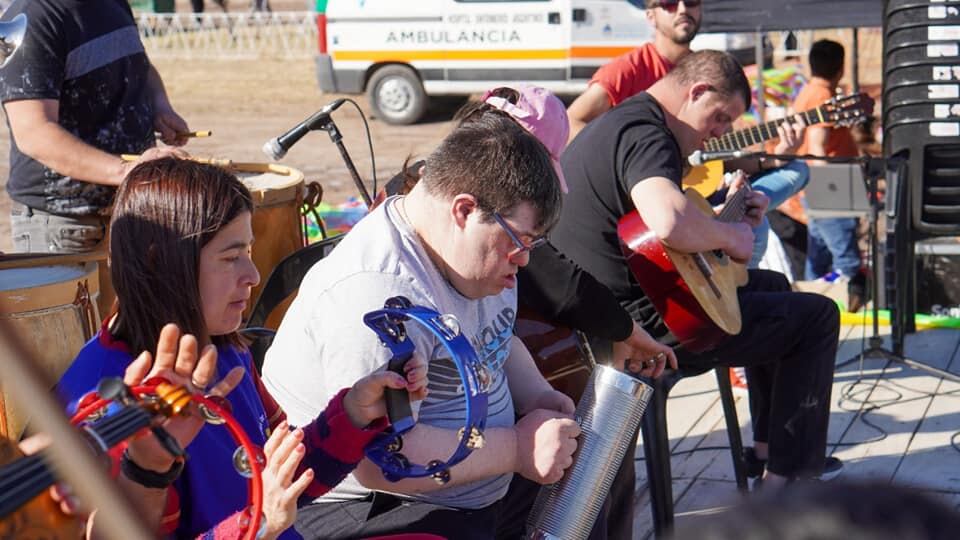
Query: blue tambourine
<point x="384" y="450"/>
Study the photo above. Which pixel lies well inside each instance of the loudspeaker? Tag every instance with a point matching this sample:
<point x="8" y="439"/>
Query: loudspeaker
<point x="921" y="111"/>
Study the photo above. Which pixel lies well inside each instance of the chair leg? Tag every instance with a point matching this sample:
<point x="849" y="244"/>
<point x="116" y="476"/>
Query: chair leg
<point x="733" y="426"/>
<point x="656" y="449"/>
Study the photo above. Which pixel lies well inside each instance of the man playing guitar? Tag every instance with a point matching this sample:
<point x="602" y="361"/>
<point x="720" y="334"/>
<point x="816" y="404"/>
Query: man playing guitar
<point x="631" y="160"/>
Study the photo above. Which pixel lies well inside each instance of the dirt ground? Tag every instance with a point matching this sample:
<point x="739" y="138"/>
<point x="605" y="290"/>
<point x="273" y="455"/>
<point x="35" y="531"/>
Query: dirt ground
<point x="245" y="103"/>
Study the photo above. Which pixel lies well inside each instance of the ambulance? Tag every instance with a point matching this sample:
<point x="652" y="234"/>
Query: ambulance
<point x="401" y="52"/>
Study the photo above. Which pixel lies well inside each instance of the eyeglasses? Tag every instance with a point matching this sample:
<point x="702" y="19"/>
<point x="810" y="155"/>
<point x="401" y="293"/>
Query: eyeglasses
<point x="671" y="5"/>
<point x="515" y="238"/>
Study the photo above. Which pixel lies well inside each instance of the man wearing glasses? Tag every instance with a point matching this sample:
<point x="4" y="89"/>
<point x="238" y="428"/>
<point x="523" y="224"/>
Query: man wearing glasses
<point x="454" y="243"/>
<point x="675" y="24"/>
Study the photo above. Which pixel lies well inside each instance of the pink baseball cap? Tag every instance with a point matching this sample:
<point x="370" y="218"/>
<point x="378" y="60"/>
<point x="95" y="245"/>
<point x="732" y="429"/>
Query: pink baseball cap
<point x="542" y="114"/>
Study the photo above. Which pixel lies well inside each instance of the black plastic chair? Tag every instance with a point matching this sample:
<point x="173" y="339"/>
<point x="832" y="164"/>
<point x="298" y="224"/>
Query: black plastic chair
<point x="656" y="443"/>
<point x="283" y="280"/>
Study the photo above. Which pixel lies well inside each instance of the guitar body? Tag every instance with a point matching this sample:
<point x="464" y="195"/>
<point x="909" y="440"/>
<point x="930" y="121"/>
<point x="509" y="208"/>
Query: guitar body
<point x="704" y="179"/>
<point x="561" y="354"/>
<point x="696" y="294"/>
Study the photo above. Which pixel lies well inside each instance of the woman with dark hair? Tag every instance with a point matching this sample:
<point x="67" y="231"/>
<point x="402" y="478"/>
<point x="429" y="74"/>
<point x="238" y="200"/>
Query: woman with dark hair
<point x="180" y="246"/>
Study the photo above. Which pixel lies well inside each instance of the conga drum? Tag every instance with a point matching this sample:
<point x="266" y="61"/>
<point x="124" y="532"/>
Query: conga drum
<point x="278" y="196"/>
<point x="53" y="309"/>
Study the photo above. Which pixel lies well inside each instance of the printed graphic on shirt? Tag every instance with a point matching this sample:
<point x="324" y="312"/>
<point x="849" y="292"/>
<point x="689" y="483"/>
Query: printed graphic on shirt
<point x="445" y="399"/>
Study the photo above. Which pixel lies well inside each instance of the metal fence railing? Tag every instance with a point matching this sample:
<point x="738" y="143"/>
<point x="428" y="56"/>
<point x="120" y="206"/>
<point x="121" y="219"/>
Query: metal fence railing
<point x="282" y="34"/>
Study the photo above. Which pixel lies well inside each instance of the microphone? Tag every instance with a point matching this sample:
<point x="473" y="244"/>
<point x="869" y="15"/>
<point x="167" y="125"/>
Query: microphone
<point x="277" y="147"/>
<point x="700" y="157"/>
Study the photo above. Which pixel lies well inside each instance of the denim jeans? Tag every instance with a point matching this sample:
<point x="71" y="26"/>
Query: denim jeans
<point x="37" y="231"/>
<point x="779" y="185"/>
<point x="832" y="245"/>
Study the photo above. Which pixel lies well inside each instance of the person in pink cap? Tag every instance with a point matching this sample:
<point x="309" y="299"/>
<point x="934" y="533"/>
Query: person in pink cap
<point x="538" y="111"/>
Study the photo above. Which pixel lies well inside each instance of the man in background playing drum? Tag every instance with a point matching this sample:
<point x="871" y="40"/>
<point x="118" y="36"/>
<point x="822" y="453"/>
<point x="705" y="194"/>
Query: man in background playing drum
<point x="79" y="92"/>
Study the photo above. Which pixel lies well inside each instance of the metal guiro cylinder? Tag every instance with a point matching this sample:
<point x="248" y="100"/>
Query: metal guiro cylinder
<point x="609" y="413"/>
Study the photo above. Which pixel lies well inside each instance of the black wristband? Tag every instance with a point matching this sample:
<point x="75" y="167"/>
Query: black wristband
<point x="147" y="478"/>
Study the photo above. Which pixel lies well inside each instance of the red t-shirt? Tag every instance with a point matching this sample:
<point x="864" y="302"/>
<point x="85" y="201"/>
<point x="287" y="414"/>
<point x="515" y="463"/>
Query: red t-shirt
<point x="631" y="73"/>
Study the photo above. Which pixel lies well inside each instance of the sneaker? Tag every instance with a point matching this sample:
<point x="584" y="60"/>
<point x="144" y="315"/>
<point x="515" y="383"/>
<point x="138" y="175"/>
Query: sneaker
<point x="832" y="277"/>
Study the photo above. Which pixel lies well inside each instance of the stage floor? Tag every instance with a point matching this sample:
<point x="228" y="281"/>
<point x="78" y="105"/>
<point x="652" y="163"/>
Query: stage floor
<point x="916" y="450"/>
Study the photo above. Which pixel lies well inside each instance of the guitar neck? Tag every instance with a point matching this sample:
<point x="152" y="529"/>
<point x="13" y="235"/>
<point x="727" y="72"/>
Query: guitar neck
<point x="736" y="140"/>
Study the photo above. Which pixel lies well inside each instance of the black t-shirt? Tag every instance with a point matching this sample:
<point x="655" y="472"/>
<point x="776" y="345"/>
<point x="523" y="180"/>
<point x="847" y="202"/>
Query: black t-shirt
<point x="559" y="290"/>
<point x="88" y="56"/>
<point x="621" y="148"/>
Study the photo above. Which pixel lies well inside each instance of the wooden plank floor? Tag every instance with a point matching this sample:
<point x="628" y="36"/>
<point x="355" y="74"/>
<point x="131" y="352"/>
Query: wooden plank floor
<point x="888" y="423"/>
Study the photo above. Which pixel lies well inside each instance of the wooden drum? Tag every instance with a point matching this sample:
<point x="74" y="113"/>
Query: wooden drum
<point x="52" y="308"/>
<point x="277" y="228"/>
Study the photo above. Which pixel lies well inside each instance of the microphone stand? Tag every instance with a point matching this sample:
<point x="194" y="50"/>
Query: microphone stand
<point x="331" y="128"/>
<point x="873" y="169"/>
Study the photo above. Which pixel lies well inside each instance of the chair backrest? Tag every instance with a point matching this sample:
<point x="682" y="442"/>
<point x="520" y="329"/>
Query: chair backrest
<point x="286" y="277"/>
<point x="282" y="282"/>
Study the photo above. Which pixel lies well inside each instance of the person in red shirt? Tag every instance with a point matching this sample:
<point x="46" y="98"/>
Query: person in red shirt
<point x="675" y="24"/>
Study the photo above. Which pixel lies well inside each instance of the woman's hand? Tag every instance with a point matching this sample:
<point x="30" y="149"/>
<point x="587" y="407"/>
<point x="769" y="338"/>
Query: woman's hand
<point x="284" y="450"/>
<point x="179" y="362"/>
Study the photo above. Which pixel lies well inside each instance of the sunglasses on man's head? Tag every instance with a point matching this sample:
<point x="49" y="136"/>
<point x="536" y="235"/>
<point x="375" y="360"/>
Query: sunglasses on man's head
<point x="515" y="238"/>
<point x="671" y="5"/>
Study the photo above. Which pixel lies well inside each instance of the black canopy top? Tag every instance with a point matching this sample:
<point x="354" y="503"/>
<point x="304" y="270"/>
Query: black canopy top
<point x="773" y="15"/>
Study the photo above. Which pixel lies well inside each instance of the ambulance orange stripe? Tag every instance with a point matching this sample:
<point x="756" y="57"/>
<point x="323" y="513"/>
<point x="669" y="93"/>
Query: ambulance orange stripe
<point x="514" y="54"/>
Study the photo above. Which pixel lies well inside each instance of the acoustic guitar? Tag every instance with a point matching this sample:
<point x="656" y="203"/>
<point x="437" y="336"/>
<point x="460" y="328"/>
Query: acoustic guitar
<point x="839" y="110"/>
<point x="695" y="293"/>
<point x="562" y="354"/>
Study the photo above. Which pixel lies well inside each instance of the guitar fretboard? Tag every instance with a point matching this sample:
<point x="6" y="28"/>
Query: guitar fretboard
<point x="736" y="207"/>
<point x="737" y="140"/>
